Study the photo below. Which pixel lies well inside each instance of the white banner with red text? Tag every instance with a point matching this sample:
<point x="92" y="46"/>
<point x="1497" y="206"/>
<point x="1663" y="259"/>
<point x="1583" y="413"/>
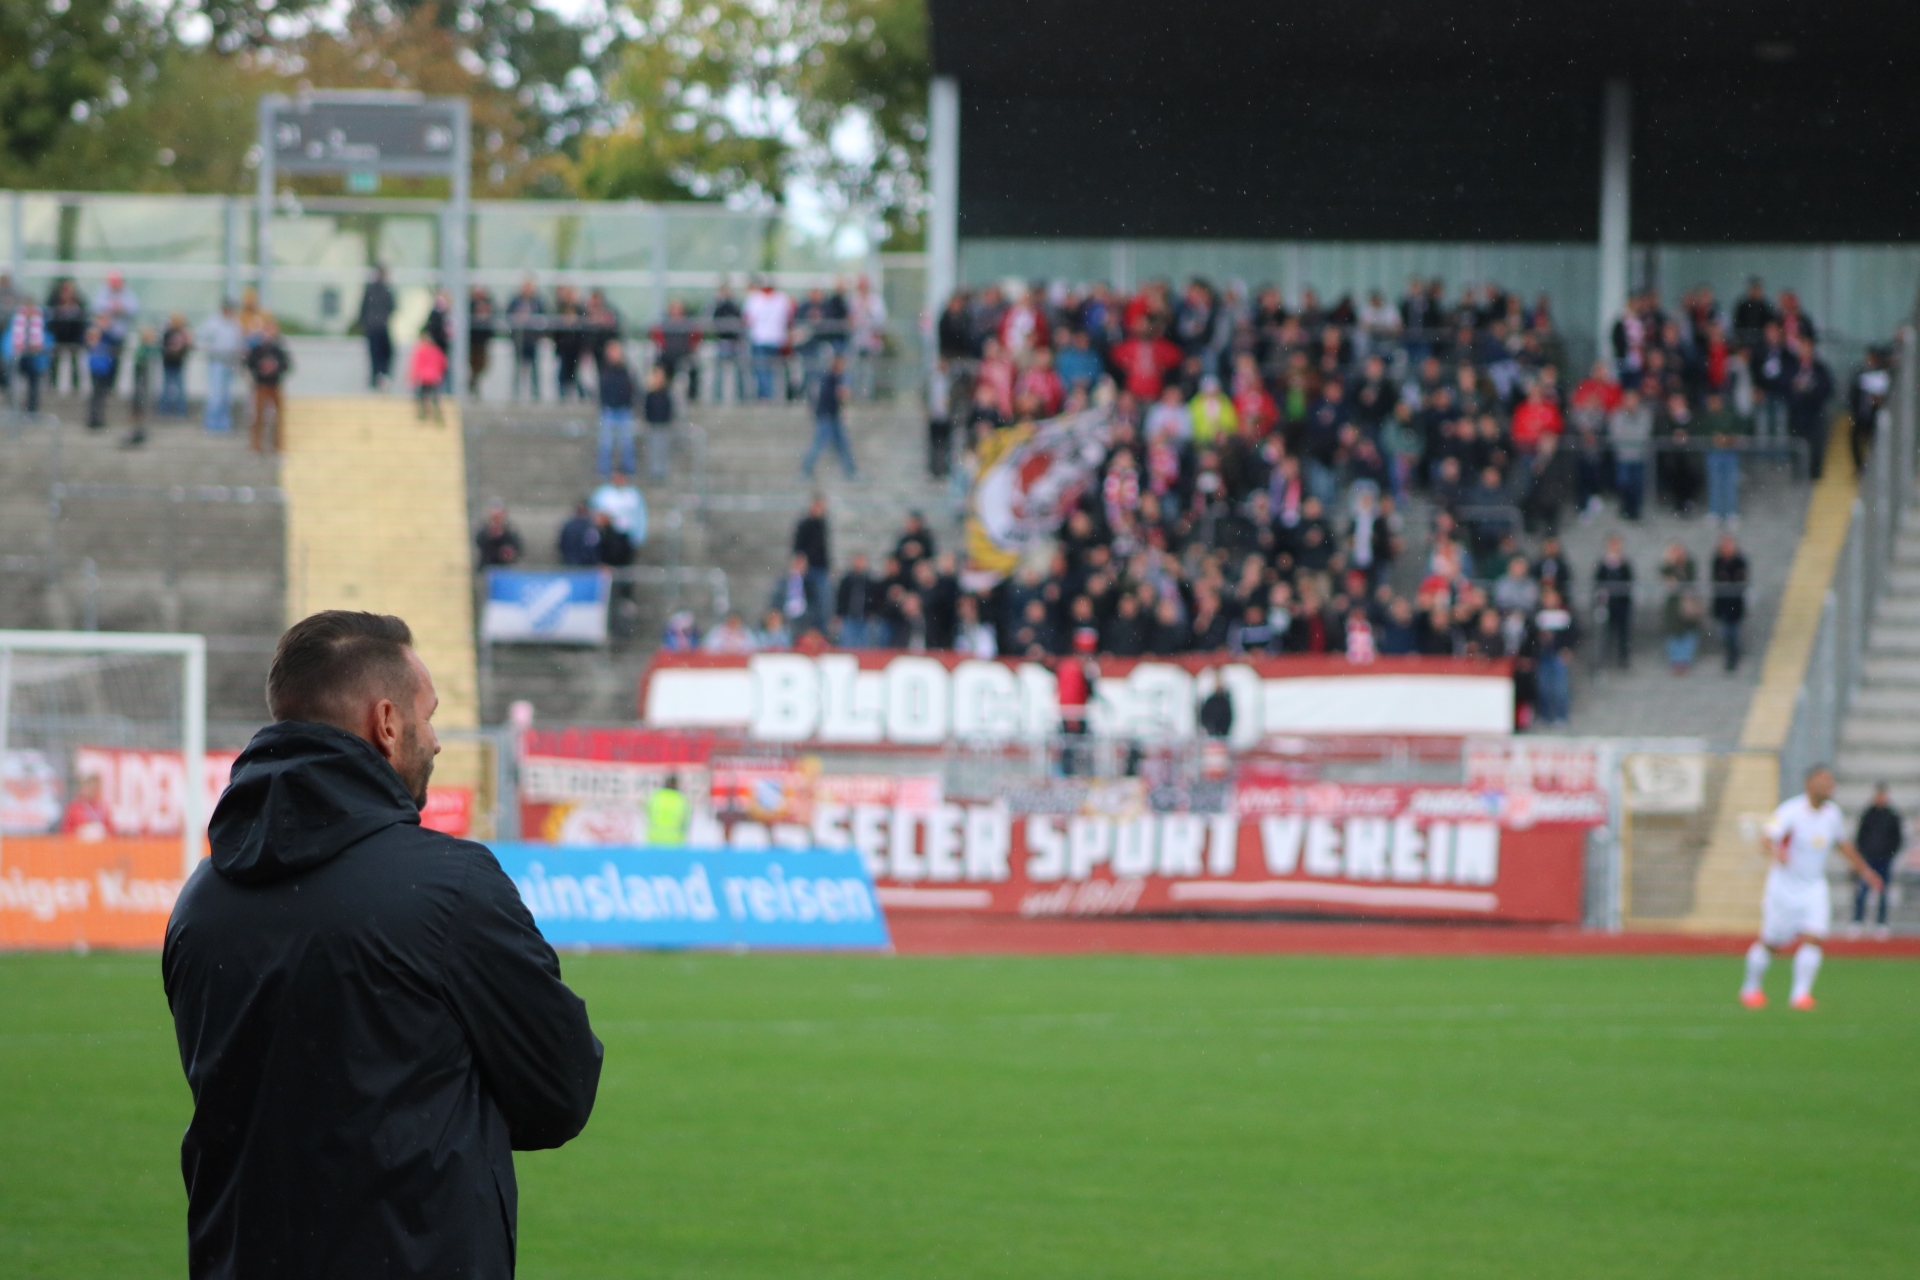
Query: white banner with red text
<point x="924" y="700"/>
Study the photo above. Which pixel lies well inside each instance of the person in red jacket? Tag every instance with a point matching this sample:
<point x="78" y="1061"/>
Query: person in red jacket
<point x="1537" y="416"/>
<point x="1144" y="361"/>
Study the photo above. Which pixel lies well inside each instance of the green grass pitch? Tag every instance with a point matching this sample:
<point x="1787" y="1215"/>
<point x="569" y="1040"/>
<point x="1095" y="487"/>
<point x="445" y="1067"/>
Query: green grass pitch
<point x="773" y="1117"/>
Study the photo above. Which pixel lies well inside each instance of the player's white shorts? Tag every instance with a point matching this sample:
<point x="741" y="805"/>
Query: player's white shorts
<point x="1794" y="907"/>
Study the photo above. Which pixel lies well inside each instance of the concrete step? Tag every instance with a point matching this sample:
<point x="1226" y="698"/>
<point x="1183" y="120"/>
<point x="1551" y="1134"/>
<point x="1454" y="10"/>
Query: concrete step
<point x="1895" y="671"/>
<point x="1890" y="732"/>
<point x="1890" y="702"/>
<point x="1889" y="763"/>
<point x="1894" y="638"/>
<point x="1903" y="579"/>
<point x="1902" y="609"/>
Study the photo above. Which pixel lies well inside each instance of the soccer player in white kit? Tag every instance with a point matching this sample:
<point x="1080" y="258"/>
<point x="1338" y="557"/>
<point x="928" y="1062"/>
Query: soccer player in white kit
<point x="1796" y="910"/>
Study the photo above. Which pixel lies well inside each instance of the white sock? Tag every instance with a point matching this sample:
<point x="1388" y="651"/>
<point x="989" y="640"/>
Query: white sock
<point x="1758" y="957"/>
<point x="1806" y="965"/>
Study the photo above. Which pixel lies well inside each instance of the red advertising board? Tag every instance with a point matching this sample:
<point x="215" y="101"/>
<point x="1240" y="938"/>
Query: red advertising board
<point x="1383" y="851"/>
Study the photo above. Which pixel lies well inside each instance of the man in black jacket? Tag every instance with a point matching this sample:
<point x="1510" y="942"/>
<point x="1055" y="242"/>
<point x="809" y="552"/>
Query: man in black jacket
<point x="368" y="1019"/>
<point x="1880" y="840"/>
<point x="375" y="320"/>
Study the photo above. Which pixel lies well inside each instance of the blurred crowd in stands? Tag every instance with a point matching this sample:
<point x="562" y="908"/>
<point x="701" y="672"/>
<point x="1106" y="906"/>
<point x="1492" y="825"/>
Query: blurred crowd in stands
<point x="96" y="340"/>
<point x="1267" y="461"/>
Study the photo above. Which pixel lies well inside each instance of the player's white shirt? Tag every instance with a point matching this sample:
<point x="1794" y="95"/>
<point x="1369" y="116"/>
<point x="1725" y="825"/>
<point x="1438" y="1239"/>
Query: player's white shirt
<point x="1810" y="835"/>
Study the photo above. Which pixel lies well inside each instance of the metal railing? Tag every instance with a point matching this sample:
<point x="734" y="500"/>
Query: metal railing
<point x="1846" y="616"/>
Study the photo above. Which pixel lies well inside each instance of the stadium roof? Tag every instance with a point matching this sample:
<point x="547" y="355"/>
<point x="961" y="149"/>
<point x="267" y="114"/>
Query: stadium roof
<point x="1113" y="44"/>
<point x="1401" y="119"/>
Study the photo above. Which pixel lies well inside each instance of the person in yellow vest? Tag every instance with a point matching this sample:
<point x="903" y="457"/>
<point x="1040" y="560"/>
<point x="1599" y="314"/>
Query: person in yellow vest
<point x="667" y="814"/>
<point x="1214" y="417"/>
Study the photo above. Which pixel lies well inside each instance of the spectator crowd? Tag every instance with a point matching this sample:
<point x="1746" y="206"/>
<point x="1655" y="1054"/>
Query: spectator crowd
<point x="1265" y="459"/>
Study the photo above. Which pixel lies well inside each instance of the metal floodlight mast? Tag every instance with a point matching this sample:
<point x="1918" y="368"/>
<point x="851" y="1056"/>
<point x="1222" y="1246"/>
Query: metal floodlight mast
<point x="374" y="131"/>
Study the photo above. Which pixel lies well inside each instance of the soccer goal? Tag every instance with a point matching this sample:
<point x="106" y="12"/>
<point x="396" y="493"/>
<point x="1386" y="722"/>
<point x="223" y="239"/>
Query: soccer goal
<point x="103" y="741"/>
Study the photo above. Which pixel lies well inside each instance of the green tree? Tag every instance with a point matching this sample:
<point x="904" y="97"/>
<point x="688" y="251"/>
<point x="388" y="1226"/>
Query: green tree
<point x="733" y="99"/>
<point x="62" y="63"/>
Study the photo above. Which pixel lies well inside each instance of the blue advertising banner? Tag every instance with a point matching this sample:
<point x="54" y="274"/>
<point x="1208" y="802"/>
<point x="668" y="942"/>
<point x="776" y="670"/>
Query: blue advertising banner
<point x="546" y="606"/>
<point x="625" y="896"/>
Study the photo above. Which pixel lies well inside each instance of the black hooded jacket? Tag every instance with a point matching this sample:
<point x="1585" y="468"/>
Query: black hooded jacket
<point x="370" y="1024"/>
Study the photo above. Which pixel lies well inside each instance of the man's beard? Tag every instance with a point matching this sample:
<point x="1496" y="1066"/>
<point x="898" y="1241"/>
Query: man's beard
<point x="415" y="764"/>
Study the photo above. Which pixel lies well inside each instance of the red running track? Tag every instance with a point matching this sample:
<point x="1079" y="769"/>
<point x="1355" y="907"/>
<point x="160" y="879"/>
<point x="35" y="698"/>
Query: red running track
<point x="943" y="934"/>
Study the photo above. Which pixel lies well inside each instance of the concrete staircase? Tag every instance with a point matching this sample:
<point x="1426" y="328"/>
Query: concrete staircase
<point x="730" y="503"/>
<point x="1880" y="739"/>
<point x="185" y="534"/>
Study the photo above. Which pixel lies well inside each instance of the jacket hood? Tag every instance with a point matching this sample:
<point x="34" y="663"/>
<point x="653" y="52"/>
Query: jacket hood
<point x="301" y="793"/>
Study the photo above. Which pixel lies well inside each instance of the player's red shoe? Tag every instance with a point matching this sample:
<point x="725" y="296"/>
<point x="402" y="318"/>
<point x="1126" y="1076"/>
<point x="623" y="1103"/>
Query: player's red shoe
<point x="1803" y="1003"/>
<point x="1754" y="999"/>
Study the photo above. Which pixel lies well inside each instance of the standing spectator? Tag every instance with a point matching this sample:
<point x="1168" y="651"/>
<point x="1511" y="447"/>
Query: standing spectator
<point x="269" y="364"/>
<point x="103" y="369"/>
<point x="1773" y="365"/>
<point x="1613" y="599"/>
<point x="1556" y="634"/>
<point x="146" y="354"/>
<point x="569" y="329"/>
<point x="1808" y="391"/>
<point x="616" y="410"/>
<point x="856" y="605"/>
<point x="579" y="541"/>
<point x="429" y="374"/>
<point x="225" y="345"/>
<point x="1630" y="427"/>
<point x="675" y="339"/>
<point x="812" y="538"/>
<point x="526" y="320"/>
<point x="1725" y="431"/>
<point x="624" y="507"/>
<point x="116" y="308"/>
<point x="726" y="318"/>
<point x="176" y="344"/>
<point x="480" y="327"/>
<point x="828" y="430"/>
<point x="375" y="321"/>
<point x="797" y="599"/>
<point x="940" y="421"/>
<point x="1729" y="575"/>
<point x="10" y="299"/>
<point x="27" y="344"/>
<point x="1681" y="611"/>
<point x="1872" y="384"/>
<point x="768" y="314"/>
<point x="1880" y="840"/>
<point x="867" y="313"/>
<point x="66" y="331"/>
<point x="1752" y="314"/>
<point x="439" y="324"/>
<point x="498" y="541"/>
<point x="1536" y="418"/>
<point x="1144" y="361"/>
<point x="657" y="410"/>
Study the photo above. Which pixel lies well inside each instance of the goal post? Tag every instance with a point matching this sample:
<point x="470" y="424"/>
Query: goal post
<point x="65" y="693"/>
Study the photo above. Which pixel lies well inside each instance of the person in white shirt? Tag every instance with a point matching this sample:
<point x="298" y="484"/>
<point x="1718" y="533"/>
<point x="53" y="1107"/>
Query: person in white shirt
<point x="626" y="509"/>
<point x="869" y="317"/>
<point x="768" y="314"/>
<point x="1796" y="910"/>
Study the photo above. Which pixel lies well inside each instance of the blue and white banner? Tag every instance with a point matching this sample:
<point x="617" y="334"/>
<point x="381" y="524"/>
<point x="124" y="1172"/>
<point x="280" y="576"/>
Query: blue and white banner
<point x="541" y="606"/>
<point x="676" y="897"/>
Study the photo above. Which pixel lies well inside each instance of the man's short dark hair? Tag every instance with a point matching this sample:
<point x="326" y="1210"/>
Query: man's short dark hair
<point x="325" y="661"/>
